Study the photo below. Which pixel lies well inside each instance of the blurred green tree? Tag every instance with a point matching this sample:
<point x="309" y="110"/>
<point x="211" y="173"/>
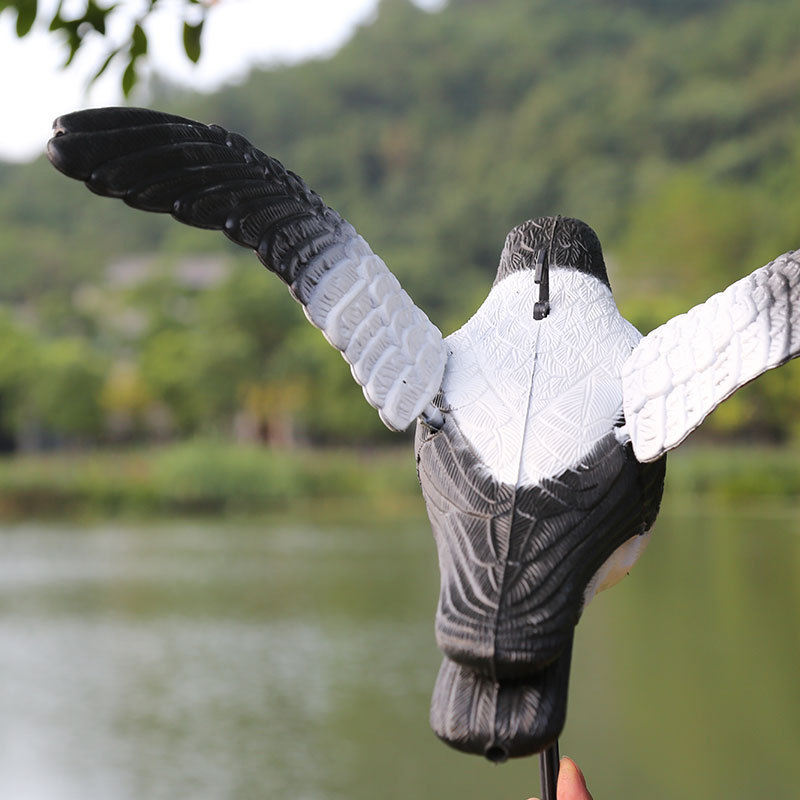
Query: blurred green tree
<point x="18" y="371"/>
<point x="64" y="400"/>
<point x="670" y="128"/>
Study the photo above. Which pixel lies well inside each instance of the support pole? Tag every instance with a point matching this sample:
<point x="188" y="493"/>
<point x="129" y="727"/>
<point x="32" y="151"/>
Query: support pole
<point x="548" y="771"/>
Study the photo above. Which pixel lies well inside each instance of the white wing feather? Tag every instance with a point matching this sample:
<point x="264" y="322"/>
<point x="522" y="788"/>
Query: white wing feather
<point x="395" y="352"/>
<point x="679" y="373"/>
<point x="205" y="176"/>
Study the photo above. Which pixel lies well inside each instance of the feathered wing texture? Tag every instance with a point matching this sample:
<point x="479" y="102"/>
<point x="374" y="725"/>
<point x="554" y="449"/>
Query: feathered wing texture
<point x="209" y="178"/>
<point x="529" y="492"/>
<point x="682" y="371"/>
<point x="515" y="562"/>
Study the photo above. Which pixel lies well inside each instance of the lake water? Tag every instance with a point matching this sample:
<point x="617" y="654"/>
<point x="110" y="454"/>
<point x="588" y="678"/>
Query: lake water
<point x="285" y="659"/>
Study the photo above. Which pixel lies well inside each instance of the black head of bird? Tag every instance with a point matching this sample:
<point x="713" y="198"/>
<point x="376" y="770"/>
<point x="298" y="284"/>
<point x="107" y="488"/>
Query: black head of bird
<point x="566" y="242"/>
<point x="543" y="422"/>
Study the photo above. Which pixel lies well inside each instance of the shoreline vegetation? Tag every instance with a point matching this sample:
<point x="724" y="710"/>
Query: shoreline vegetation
<point x="212" y="478"/>
<point x="206" y="477"/>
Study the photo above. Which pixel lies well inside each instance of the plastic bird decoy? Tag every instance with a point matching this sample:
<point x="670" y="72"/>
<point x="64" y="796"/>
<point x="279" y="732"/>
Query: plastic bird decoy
<point x="542" y="424"/>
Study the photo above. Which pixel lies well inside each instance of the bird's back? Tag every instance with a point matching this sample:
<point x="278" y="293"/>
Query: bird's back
<point x="529" y="491"/>
<point x="533" y="397"/>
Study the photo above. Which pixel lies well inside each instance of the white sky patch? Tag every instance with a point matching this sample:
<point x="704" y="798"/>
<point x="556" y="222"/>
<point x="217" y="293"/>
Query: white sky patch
<point x="238" y="35"/>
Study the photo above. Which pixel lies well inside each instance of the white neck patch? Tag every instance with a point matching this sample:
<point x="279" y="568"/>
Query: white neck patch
<point x="534" y="397"/>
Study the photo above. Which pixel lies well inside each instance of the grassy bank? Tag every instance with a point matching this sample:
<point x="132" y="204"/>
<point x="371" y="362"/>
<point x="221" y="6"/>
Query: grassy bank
<point x="731" y="474"/>
<point x="204" y="477"/>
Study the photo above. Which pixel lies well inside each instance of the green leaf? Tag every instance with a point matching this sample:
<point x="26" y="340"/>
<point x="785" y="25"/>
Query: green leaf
<point x="74" y="38"/>
<point x="191" y="40"/>
<point x="96" y="16"/>
<point x="74" y="42"/>
<point x="104" y="67"/>
<point x="138" y="42"/>
<point x="57" y="21"/>
<point x="26" y="15"/>
<point x="129" y="77"/>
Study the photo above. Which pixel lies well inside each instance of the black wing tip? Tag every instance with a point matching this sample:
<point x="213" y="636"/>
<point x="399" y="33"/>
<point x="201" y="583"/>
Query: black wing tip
<point x="56" y="154"/>
<point x="108" y="118"/>
<point x="74" y="133"/>
<point x="121" y="152"/>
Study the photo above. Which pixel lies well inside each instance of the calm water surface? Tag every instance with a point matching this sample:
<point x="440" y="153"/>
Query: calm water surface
<point x="286" y="659"/>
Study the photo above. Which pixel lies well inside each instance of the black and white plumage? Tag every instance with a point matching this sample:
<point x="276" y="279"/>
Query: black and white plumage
<point x="543" y="423"/>
<point x="210" y="178"/>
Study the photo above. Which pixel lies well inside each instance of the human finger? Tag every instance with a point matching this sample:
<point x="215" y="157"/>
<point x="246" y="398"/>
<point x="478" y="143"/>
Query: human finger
<point x="571" y="783"/>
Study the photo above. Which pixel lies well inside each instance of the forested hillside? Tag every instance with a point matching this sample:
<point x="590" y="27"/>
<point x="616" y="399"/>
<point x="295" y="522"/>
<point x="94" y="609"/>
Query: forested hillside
<point x="672" y="127"/>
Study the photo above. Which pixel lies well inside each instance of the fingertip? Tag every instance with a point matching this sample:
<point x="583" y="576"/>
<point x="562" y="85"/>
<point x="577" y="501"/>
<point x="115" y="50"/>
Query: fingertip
<point x="571" y="783"/>
<point x="568" y="765"/>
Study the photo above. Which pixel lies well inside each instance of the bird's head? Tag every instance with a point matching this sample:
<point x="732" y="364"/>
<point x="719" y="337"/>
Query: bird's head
<point x="567" y="242"/>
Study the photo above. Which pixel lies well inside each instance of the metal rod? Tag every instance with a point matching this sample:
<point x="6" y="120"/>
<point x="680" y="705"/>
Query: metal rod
<point x="548" y="771"/>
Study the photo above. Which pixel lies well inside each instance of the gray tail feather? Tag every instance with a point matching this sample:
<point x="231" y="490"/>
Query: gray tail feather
<point x="476" y="714"/>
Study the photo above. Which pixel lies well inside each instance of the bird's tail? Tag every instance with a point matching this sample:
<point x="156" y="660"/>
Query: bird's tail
<point x="500" y="720"/>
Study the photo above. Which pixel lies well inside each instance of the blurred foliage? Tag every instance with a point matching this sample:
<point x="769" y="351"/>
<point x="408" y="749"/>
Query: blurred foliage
<point x="670" y="127"/>
<point x="204" y="476"/>
<point x="75" y="29"/>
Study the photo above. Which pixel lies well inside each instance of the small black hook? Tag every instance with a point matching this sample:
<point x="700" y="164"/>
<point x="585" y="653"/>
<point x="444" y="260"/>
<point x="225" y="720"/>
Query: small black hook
<point x="541" y="275"/>
<point x="538" y="266"/>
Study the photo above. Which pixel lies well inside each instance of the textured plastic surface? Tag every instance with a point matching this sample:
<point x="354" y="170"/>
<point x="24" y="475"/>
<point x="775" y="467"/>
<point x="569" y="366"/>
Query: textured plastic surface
<point x="533" y="499"/>
<point x="395" y="352"/>
<point x="540" y="491"/>
<point x="532" y="397"/>
<point x="209" y="178"/>
<point x="682" y="371"/>
<point x="515" y="562"/>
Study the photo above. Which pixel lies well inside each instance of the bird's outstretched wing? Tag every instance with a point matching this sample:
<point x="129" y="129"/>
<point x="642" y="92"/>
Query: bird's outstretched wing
<point x="678" y="374"/>
<point x="210" y="178"/>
